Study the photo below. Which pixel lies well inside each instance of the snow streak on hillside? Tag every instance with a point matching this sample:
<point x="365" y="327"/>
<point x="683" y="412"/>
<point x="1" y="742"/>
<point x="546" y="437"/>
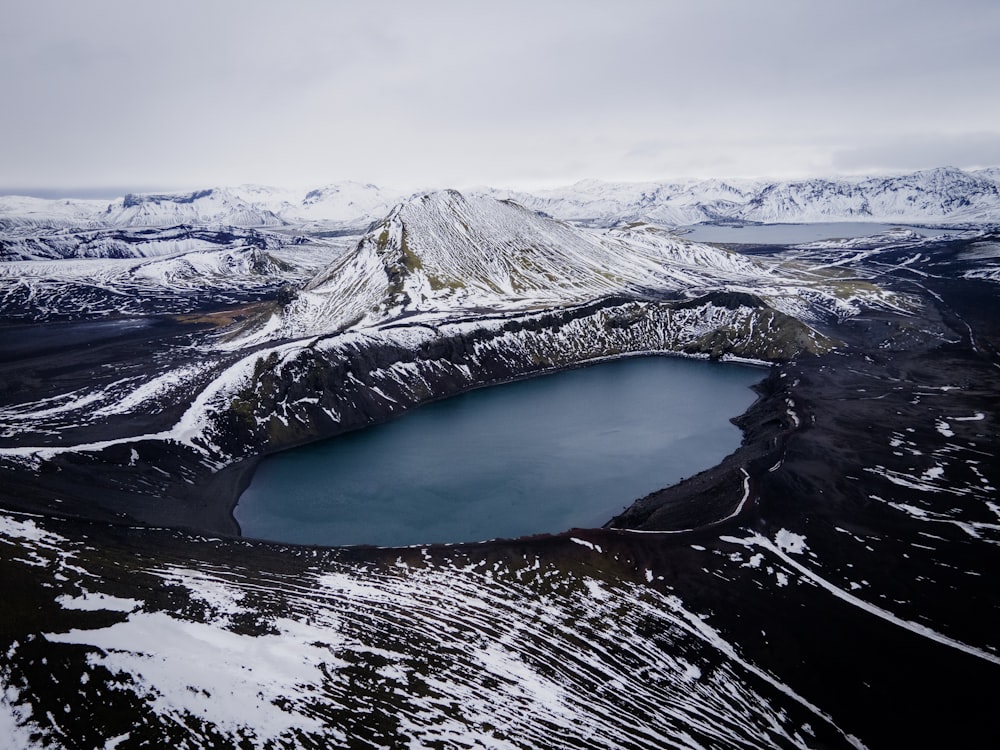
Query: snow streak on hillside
<point x="521" y="652"/>
<point x="90" y="288"/>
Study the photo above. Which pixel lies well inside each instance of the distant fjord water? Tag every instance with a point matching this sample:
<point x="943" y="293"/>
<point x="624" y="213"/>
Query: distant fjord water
<point x="794" y="234"/>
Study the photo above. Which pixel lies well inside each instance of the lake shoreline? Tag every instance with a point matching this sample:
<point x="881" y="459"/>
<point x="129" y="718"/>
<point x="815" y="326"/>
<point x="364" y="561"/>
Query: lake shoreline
<point x="538" y="455"/>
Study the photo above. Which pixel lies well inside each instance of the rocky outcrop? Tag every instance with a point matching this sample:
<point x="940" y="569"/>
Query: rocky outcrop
<point x="346" y="382"/>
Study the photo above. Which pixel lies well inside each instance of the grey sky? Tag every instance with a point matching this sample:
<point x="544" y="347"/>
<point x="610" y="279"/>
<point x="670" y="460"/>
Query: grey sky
<point x="406" y="94"/>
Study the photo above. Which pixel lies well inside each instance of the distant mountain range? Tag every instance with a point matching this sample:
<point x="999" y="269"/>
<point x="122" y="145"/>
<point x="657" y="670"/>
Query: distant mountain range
<point x="937" y="196"/>
<point x="945" y="195"/>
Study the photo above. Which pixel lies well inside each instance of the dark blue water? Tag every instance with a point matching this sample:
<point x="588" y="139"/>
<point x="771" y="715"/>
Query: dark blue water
<point x="543" y="455"/>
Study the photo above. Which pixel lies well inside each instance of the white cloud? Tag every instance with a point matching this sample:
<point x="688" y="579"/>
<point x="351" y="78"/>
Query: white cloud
<point x="919" y="152"/>
<point x="448" y="92"/>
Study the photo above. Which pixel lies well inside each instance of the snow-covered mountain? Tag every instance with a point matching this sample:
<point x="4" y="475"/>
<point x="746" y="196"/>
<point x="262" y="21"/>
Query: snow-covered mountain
<point x="93" y="288"/>
<point x="465" y="288"/>
<point x="342" y="205"/>
<point x="215" y="206"/>
<point x="937" y="196"/>
<point x="607" y="203"/>
<point x="18" y="212"/>
<point x="989" y="173"/>
<point x="945" y="195"/>
<point x="445" y="254"/>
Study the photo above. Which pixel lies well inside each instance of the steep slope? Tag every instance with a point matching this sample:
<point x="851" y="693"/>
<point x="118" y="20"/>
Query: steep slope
<point x="445" y="253"/>
<point x="127" y="243"/>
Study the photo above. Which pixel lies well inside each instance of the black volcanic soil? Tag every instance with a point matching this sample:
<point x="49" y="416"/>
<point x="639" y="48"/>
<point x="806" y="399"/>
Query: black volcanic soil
<point x="835" y="450"/>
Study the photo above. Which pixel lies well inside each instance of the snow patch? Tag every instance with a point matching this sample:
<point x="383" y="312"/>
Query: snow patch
<point x="92" y="602"/>
<point x="788" y="541"/>
<point x="585" y="543"/>
<point x="944" y="428"/>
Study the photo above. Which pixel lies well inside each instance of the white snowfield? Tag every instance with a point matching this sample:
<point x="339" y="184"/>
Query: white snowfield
<point x="248" y="206"/>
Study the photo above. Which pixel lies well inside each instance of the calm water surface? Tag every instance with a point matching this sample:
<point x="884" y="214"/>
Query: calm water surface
<point x="794" y="234"/>
<point x="542" y="455"/>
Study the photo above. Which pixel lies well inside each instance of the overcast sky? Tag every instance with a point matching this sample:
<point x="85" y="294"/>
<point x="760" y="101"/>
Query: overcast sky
<point x="183" y="94"/>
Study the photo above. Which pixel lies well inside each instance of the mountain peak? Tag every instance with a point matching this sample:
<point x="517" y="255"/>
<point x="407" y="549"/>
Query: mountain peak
<point x="445" y="253"/>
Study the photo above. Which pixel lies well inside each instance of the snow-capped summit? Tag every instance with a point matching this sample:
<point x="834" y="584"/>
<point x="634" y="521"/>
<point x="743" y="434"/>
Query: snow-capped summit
<point x="989" y="173"/>
<point x="936" y="195"/>
<point x="214" y="207"/>
<point x="445" y="254"/>
<point x="350" y="203"/>
<point x="601" y="203"/>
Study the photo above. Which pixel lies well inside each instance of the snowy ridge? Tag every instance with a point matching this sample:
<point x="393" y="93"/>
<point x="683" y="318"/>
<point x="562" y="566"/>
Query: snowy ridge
<point x="311" y="388"/>
<point x="128" y="243"/>
<point x="935" y="196"/>
<point x="945" y="195"/>
<point x="607" y="203"/>
<point x="897" y="236"/>
<point x="112" y="272"/>
<point x="212" y="207"/>
<point x="17" y="211"/>
<point x="346" y="204"/>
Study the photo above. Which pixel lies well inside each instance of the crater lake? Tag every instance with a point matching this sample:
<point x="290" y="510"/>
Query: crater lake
<point x="570" y="449"/>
